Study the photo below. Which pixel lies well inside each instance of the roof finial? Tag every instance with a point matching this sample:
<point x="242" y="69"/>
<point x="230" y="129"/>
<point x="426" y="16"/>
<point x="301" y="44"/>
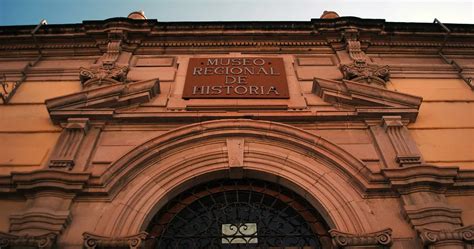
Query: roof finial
<point x="137" y="15"/>
<point x="329" y="14"/>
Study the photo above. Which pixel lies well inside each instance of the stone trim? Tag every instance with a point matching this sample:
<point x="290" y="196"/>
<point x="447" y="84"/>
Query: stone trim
<point x="369" y="101"/>
<point x="45" y="241"/>
<point x="69" y="142"/>
<point x="49" y="179"/>
<point x="422" y="191"/>
<point x="99" y="103"/>
<point x="93" y="241"/>
<point x="460" y="236"/>
<point x="423" y="177"/>
<point x="406" y="151"/>
<point x="381" y="239"/>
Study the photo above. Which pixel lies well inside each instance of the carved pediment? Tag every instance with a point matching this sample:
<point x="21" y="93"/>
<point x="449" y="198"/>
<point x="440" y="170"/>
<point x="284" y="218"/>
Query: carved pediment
<point x="368" y="100"/>
<point x="101" y="102"/>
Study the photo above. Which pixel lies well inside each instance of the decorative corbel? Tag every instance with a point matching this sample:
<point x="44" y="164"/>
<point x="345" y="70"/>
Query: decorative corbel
<point x="452" y="239"/>
<point x="407" y="153"/>
<point x="11" y="241"/>
<point x="69" y="142"/>
<point x="93" y="241"/>
<point x="381" y="239"/>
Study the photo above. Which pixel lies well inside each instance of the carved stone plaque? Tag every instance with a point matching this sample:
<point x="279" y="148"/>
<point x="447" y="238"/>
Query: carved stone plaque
<point x="243" y="77"/>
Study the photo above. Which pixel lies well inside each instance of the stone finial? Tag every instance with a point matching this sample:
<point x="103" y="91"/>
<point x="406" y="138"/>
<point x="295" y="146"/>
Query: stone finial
<point x="137" y="15"/>
<point x="329" y="14"/>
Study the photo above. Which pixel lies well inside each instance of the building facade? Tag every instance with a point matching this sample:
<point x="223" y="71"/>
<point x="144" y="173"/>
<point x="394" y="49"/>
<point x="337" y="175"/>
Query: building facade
<point x="338" y="132"/>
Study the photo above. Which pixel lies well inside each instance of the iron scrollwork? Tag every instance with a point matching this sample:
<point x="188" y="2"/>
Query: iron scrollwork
<point x="235" y="217"/>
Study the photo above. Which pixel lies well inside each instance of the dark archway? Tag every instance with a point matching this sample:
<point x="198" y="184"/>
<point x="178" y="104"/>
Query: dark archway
<point x="241" y="213"/>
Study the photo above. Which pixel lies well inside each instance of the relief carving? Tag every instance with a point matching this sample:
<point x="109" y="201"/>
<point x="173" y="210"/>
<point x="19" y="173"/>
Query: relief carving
<point x="103" y="75"/>
<point x="361" y="70"/>
<point x="364" y="72"/>
<point x="93" y="241"/>
<point x="45" y="241"/>
<point x="107" y="71"/>
<point x="380" y="239"/>
<point x="457" y="238"/>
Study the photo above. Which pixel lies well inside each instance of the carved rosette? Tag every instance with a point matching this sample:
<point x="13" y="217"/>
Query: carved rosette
<point x="44" y="241"/>
<point x="93" y="241"/>
<point x="368" y="73"/>
<point x="105" y="74"/>
<point x="461" y="235"/>
<point x="381" y="239"/>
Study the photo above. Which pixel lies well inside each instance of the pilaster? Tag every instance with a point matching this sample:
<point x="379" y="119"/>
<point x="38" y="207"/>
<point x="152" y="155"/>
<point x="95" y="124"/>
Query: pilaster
<point x="49" y="195"/>
<point x="422" y="190"/>
<point x="66" y="150"/>
<point x="406" y="151"/>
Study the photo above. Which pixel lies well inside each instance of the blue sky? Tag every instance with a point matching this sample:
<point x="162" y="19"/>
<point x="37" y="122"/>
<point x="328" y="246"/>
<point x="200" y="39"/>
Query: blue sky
<point x="20" y="12"/>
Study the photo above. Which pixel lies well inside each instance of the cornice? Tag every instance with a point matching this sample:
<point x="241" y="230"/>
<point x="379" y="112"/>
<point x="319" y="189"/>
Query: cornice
<point x="91" y="34"/>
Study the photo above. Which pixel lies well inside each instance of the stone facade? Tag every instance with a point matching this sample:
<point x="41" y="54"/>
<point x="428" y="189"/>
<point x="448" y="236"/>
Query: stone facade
<point x="377" y="133"/>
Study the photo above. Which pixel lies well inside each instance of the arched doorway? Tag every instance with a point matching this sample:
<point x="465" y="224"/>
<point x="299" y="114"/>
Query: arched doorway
<point x="245" y="213"/>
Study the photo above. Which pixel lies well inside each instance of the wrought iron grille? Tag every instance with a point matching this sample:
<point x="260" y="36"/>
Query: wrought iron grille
<point x="232" y="214"/>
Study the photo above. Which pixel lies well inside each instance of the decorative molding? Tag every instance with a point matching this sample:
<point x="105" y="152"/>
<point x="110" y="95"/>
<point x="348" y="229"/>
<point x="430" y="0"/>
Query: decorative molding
<point x="100" y="103"/>
<point x="422" y="191"/>
<point x="93" y="241"/>
<point x="361" y="70"/>
<point x="381" y="239"/>
<point x="49" y="194"/>
<point x="103" y="75"/>
<point x="113" y="51"/>
<point x="419" y="178"/>
<point x="407" y="153"/>
<point x="49" y="179"/>
<point x="11" y="241"/>
<point x="369" y="101"/>
<point x="69" y="142"/>
<point x="370" y="73"/>
<point x="37" y="219"/>
<point x="440" y="215"/>
<point x="463" y="236"/>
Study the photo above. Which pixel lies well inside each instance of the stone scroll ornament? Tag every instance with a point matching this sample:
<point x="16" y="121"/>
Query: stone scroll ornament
<point x="93" y="241"/>
<point x="45" y="241"/>
<point x="380" y="239"/>
<point x="103" y="75"/>
<point x="361" y="70"/>
<point x="463" y="234"/>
